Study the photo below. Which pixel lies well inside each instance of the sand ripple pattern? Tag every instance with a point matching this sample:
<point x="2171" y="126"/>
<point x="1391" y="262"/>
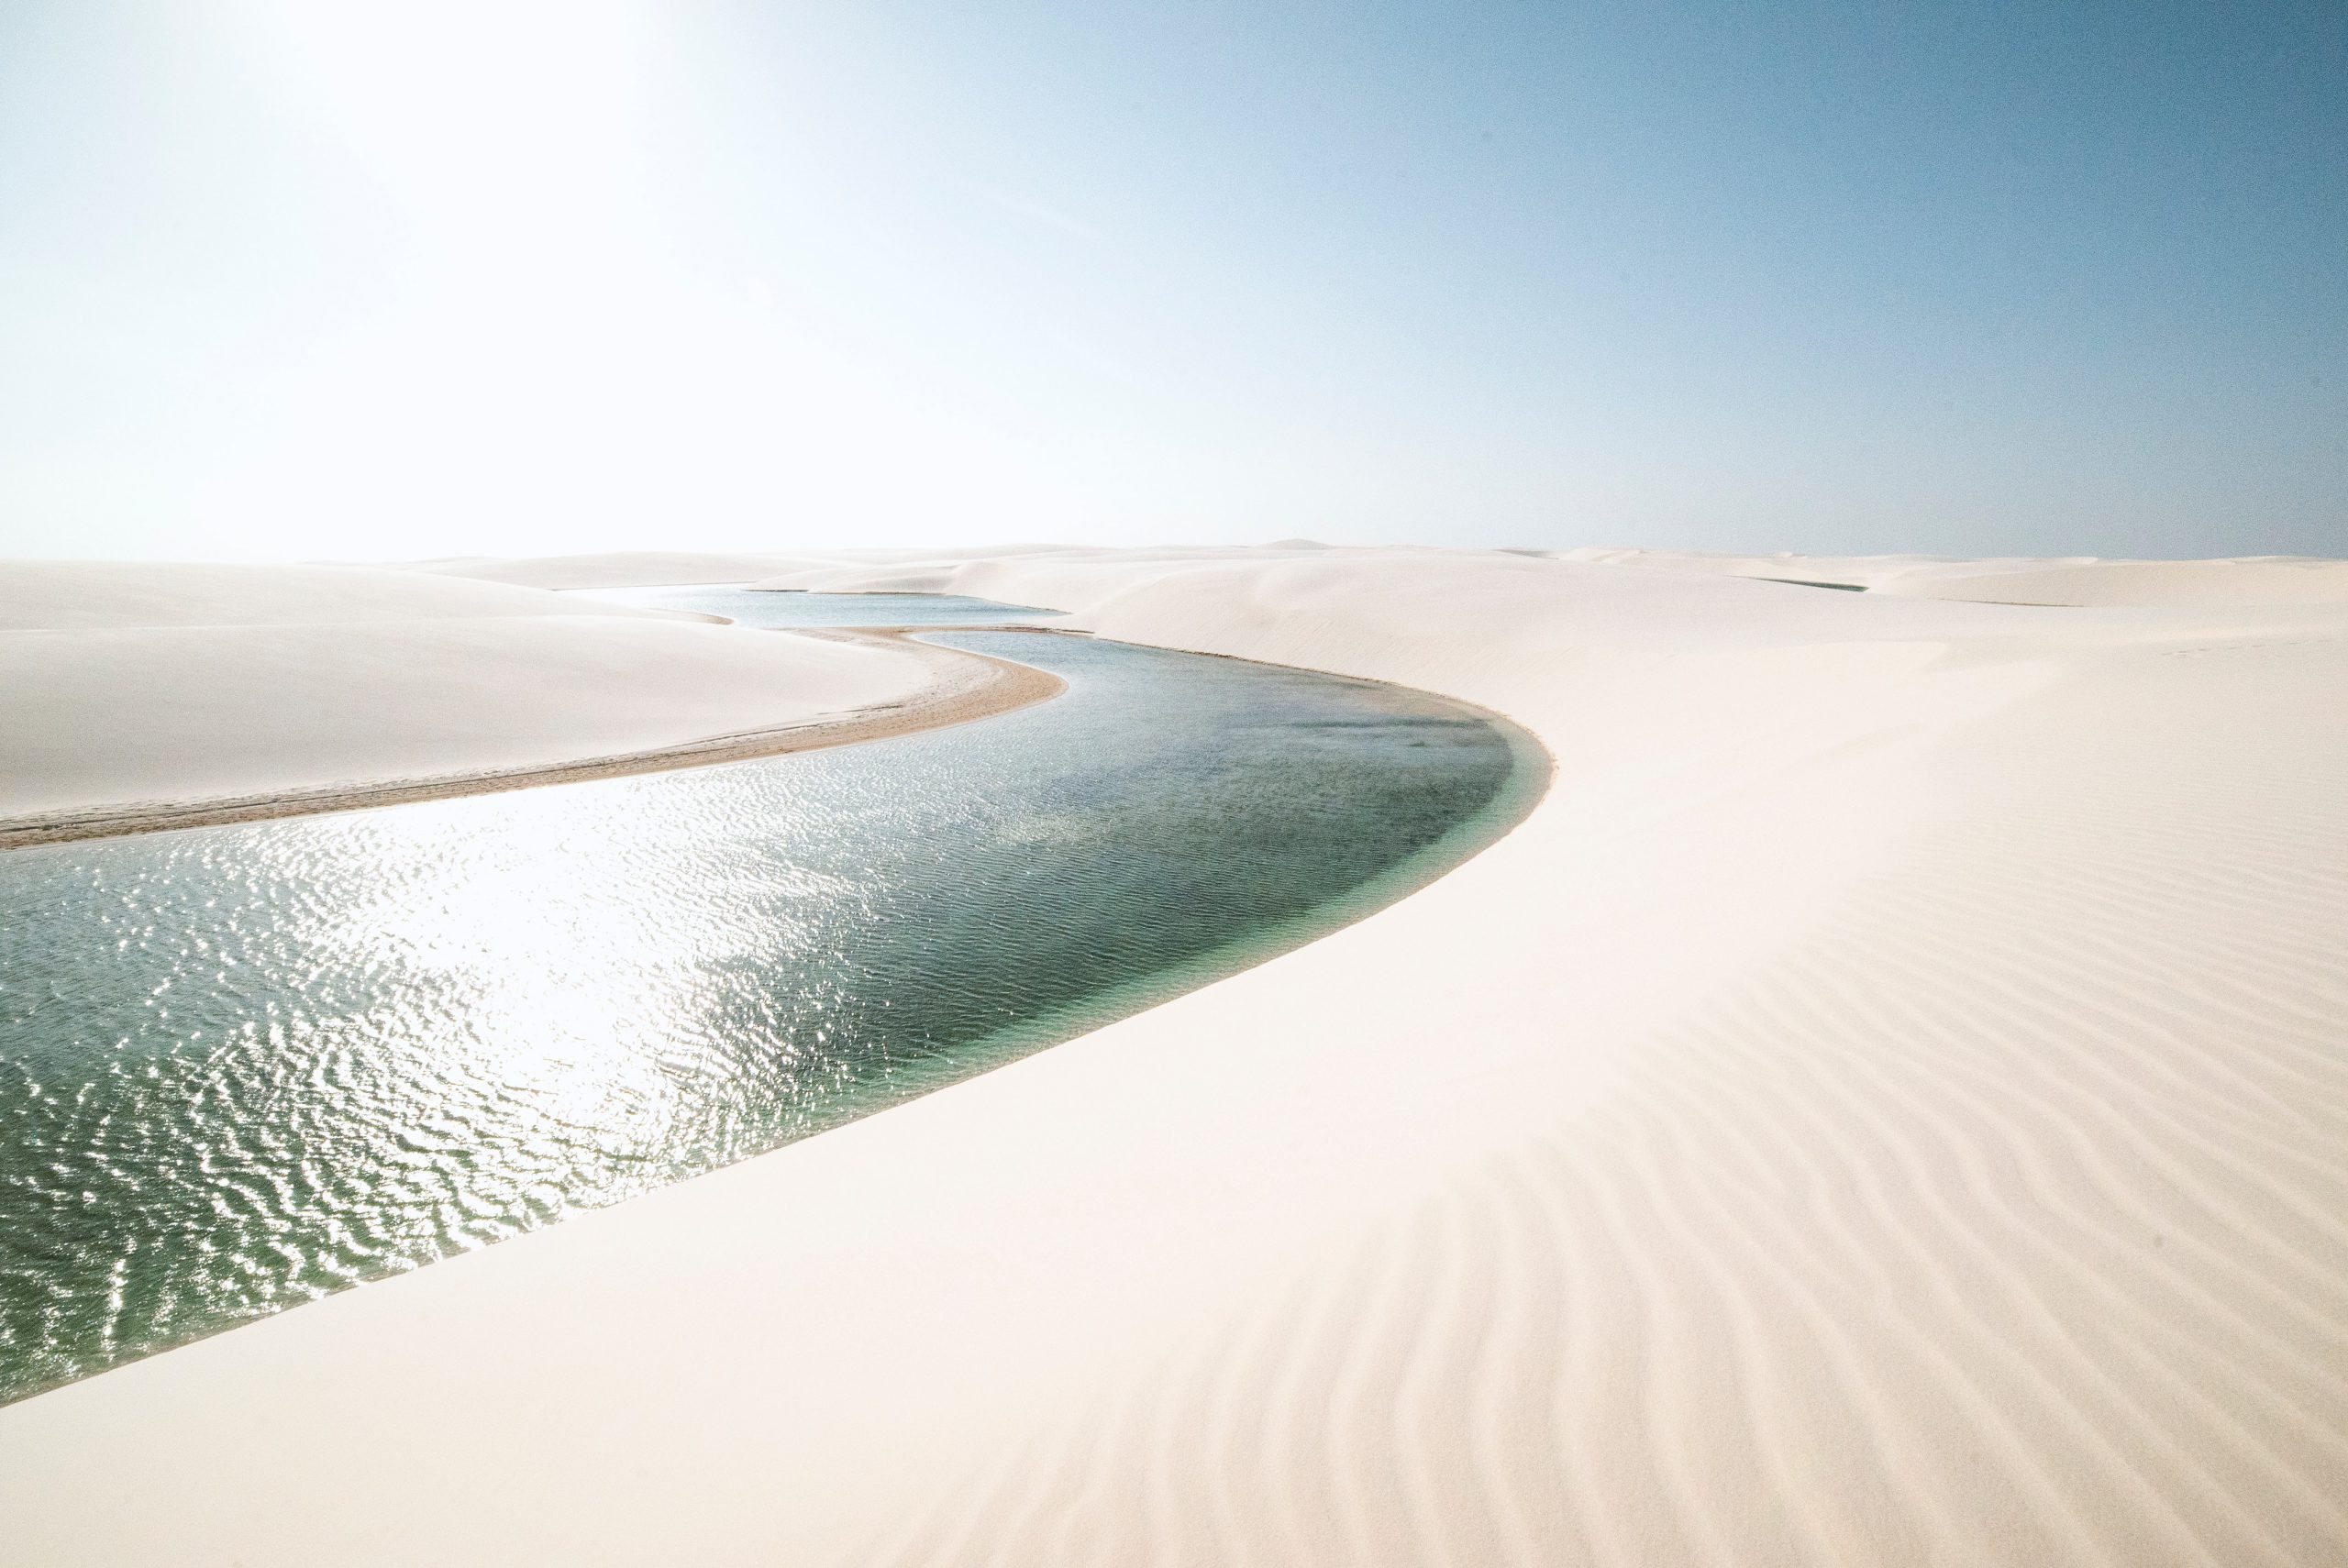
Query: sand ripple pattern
<point x="2030" y="1247"/>
<point x="244" y="1066"/>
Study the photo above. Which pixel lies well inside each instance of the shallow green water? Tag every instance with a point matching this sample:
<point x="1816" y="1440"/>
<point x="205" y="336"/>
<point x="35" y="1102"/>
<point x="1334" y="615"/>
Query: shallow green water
<point x="244" y="1066"/>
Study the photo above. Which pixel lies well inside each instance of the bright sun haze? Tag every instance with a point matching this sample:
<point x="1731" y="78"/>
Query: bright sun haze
<point x="370" y="280"/>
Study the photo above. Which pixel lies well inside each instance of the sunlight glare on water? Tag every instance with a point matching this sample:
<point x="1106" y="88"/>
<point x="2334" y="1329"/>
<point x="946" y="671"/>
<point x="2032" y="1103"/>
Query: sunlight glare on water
<point x="243" y="1066"/>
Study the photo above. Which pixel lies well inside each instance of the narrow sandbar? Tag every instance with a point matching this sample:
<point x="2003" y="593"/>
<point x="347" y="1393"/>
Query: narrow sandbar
<point x="967" y="686"/>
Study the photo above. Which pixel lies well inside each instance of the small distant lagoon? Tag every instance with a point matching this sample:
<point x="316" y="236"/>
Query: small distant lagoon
<point x="244" y="1066"/>
<point x="762" y="607"/>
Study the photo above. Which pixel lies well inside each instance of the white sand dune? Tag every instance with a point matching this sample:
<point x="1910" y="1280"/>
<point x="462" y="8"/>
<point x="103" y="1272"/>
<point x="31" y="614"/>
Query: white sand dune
<point x="2073" y="580"/>
<point x="2275" y="581"/>
<point x="55" y="596"/>
<point x="1888" y="1104"/>
<point x="128" y="685"/>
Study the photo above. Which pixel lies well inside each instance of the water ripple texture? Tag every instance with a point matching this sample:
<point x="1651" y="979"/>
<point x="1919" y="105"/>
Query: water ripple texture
<point x="244" y="1066"/>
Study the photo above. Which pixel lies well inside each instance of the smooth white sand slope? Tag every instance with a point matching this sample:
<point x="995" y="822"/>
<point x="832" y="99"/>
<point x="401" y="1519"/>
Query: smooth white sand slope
<point x="1887" y="1104"/>
<point x="2073" y="580"/>
<point x="2141" y="582"/>
<point x="63" y="596"/>
<point x="134" y="684"/>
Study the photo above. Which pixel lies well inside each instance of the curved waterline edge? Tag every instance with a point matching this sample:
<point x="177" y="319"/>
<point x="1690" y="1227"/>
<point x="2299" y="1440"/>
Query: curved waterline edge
<point x="1532" y="772"/>
<point x="1001" y="686"/>
<point x="1519" y="790"/>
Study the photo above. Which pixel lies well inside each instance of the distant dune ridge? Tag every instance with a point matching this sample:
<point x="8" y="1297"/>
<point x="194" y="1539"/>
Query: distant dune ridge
<point x="1888" y="1104"/>
<point x="2077" y="580"/>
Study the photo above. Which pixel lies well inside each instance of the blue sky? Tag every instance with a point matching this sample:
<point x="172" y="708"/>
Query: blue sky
<point x="287" y="279"/>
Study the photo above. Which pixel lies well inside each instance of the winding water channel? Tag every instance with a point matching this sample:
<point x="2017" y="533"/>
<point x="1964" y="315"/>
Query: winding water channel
<point x="244" y="1066"/>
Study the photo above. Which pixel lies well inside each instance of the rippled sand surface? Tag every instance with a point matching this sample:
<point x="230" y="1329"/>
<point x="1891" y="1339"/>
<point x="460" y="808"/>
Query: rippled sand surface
<point x="244" y="1066"/>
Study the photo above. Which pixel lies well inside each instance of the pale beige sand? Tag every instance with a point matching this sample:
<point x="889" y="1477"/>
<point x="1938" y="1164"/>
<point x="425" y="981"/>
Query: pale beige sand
<point x="155" y="692"/>
<point x="1887" y="1104"/>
